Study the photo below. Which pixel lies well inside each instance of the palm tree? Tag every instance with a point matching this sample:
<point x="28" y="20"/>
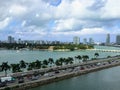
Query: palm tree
<point x="70" y="60"/>
<point x="85" y="57"/>
<point x="66" y="61"/>
<point x="79" y="58"/>
<point x="96" y="55"/>
<point x="15" y="68"/>
<point x="76" y="57"/>
<point x="5" y="67"/>
<point x="22" y="64"/>
<point x="58" y="63"/>
<point x="31" y="66"/>
<point x="38" y="64"/>
<point x="51" y="61"/>
<point x="45" y="63"/>
<point x="62" y="60"/>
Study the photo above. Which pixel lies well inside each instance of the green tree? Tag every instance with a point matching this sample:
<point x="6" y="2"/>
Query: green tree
<point x="96" y="55"/>
<point x="79" y="58"/>
<point x="38" y="64"/>
<point x="22" y="64"/>
<point x="58" y="62"/>
<point x="45" y="63"/>
<point x="51" y="61"/>
<point x="15" y="68"/>
<point x="31" y="66"/>
<point x="5" y="67"/>
<point x="85" y="58"/>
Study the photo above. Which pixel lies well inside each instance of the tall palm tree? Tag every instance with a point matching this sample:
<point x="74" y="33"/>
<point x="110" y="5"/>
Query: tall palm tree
<point x="96" y="55"/>
<point x="5" y="67"/>
<point x="45" y="63"/>
<point x="62" y="61"/>
<point x="51" y="61"/>
<point x="31" y="66"/>
<point x="15" y="68"/>
<point x="22" y="64"/>
<point x="38" y="64"/>
<point x="58" y="63"/>
<point x="70" y="60"/>
<point x="85" y="57"/>
<point x="79" y="58"/>
<point x="76" y="57"/>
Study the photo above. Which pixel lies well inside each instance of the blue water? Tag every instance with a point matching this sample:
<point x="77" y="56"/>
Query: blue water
<point x="108" y="79"/>
<point x="13" y="56"/>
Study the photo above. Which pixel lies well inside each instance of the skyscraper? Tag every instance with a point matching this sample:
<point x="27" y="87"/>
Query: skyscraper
<point x="91" y="41"/>
<point x="118" y="39"/>
<point x="76" y="40"/>
<point x="11" y="39"/>
<point x="108" y="39"/>
<point x="84" y="41"/>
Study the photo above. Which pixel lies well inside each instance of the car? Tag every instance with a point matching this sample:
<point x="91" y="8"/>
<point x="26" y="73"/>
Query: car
<point x="98" y="64"/>
<point x="3" y="84"/>
<point x="82" y="68"/>
<point x="20" y="79"/>
<point x="50" y="75"/>
<point x="56" y="72"/>
<point x="35" y="77"/>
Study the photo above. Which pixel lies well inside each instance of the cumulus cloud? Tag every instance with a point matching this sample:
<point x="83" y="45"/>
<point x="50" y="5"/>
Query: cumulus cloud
<point x="59" y="17"/>
<point x="17" y="10"/>
<point x="4" y="23"/>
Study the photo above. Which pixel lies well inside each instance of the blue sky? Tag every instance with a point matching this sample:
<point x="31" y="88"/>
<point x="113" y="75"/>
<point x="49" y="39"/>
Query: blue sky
<point x="59" y="19"/>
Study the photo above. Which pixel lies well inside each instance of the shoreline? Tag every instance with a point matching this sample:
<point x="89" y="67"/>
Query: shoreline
<point x="40" y="82"/>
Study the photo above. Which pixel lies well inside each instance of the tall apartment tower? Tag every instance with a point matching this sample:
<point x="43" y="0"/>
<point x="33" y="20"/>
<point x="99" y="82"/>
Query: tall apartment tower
<point x="108" y="39"/>
<point x="85" y="41"/>
<point x="76" y="40"/>
<point x="11" y="39"/>
<point x="91" y="41"/>
<point x="118" y="39"/>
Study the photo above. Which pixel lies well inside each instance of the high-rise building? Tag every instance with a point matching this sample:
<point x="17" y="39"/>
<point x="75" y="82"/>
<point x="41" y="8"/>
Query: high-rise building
<point x="19" y="41"/>
<point x="11" y="39"/>
<point x="108" y="39"/>
<point x="76" y="40"/>
<point x="84" y="41"/>
<point x="118" y="39"/>
<point x="91" y="41"/>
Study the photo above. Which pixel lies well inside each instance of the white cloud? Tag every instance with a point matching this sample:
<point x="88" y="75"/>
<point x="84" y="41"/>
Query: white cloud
<point x="87" y="31"/>
<point x="111" y="9"/>
<point x="66" y="25"/>
<point x="69" y="17"/>
<point x="4" y="23"/>
<point x="17" y="9"/>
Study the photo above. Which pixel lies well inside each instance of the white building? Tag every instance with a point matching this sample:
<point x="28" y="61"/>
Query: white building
<point x="11" y="39"/>
<point x="108" y="39"/>
<point x="84" y="41"/>
<point x="76" y="40"/>
<point x="91" y="41"/>
<point x="118" y="39"/>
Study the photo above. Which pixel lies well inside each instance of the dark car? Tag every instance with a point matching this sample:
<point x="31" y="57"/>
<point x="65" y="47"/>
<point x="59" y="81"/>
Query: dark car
<point x="57" y="72"/>
<point x="20" y="80"/>
<point x="3" y="84"/>
<point x="82" y="68"/>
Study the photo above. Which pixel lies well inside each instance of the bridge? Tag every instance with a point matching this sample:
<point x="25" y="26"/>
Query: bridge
<point x="106" y="50"/>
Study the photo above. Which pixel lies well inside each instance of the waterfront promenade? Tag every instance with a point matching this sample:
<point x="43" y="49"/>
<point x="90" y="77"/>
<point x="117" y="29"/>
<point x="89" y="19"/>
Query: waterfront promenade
<point x="59" y="73"/>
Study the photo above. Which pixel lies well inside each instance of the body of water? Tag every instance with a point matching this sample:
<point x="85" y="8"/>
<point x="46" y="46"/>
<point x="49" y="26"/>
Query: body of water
<point x="107" y="79"/>
<point x="14" y="56"/>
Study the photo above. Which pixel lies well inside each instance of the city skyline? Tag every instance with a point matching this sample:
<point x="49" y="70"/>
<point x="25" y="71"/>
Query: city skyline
<point x="60" y="19"/>
<point x="75" y="40"/>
